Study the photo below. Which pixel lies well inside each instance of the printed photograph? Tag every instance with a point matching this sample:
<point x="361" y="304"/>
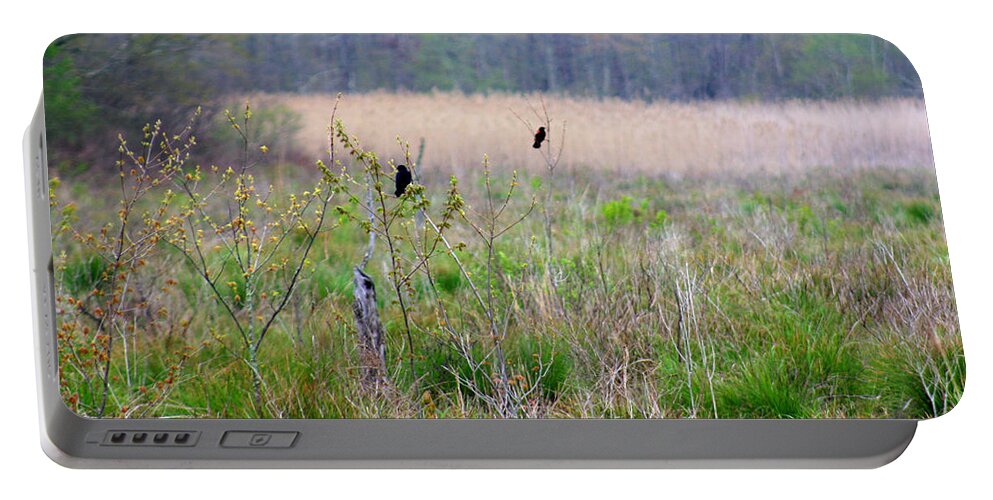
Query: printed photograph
<point x="496" y="226"/>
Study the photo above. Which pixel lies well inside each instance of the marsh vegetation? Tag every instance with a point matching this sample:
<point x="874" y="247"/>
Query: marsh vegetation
<point x="653" y="260"/>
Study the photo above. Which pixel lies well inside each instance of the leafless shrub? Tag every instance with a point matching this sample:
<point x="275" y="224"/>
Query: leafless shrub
<point x="112" y="307"/>
<point x="238" y="241"/>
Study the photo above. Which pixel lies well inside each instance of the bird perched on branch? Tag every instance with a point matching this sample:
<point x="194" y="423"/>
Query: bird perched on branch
<point x="539" y="137"/>
<point x="402" y="180"/>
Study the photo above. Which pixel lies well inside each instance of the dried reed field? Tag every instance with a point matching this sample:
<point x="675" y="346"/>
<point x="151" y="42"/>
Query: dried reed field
<point x="662" y="137"/>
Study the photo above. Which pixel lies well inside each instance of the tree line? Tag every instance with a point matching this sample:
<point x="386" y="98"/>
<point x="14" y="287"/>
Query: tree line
<point x="134" y="78"/>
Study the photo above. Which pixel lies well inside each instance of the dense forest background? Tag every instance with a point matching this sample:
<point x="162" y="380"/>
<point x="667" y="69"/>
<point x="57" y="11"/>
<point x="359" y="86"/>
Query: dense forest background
<point x="127" y="80"/>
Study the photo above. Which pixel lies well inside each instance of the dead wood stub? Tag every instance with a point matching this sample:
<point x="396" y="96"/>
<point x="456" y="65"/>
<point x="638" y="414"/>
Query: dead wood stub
<point x="372" y="340"/>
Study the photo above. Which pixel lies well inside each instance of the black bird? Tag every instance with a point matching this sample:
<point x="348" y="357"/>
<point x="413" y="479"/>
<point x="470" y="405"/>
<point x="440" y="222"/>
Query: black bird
<point x="403" y="179"/>
<point x="539" y="137"/>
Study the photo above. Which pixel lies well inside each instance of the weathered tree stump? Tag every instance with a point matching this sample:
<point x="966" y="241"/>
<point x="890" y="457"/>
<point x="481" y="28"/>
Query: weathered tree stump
<point x="372" y="340"/>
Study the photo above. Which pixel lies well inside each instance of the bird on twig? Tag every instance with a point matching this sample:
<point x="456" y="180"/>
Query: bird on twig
<point x="402" y="180"/>
<point x="539" y="137"/>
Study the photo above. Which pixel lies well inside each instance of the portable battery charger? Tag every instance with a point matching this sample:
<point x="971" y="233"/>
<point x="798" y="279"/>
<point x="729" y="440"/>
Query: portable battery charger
<point x="486" y="251"/>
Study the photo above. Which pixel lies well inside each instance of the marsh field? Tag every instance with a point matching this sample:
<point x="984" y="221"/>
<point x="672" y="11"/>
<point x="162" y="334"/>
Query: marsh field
<point x="726" y="259"/>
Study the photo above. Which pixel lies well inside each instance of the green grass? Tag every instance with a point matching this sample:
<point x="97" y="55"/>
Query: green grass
<point x="814" y="296"/>
<point x="83" y="272"/>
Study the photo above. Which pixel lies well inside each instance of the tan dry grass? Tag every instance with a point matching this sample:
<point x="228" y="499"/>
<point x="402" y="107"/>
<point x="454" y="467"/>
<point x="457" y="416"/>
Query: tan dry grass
<point x="612" y="134"/>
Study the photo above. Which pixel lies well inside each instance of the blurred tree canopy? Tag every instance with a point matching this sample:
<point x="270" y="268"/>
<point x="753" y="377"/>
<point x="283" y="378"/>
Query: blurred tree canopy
<point x="106" y="83"/>
<point x="678" y="67"/>
<point x="127" y="79"/>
